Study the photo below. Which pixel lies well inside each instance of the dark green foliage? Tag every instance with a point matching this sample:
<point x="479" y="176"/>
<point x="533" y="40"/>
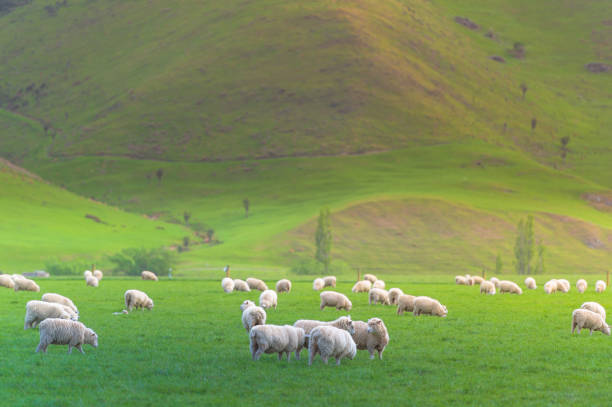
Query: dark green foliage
<point x="7" y="5"/>
<point x="323" y="239"/>
<point x="539" y="268"/>
<point x="65" y="268"/>
<point x="309" y="266"/>
<point x="246" y="204"/>
<point x="524" y="246"/>
<point x="133" y="261"/>
<point x="186" y="216"/>
<point x="159" y="174"/>
<point x="564" y="142"/>
<point x="498" y="264"/>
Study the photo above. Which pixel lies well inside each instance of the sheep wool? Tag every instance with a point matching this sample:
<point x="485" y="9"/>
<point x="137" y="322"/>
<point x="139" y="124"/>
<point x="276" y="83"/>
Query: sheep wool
<point x="370" y="277"/>
<point x="241" y="285"/>
<point x="563" y="285"/>
<point x="530" y="283"/>
<point x="87" y="273"/>
<point x="581" y="285"/>
<point x="583" y="318"/>
<point x="91" y="281"/>
<point x="252" y="316"/>
<point x="511" y="287"/>
<point x="137" y="299"/>
<point x="495" y="281"/>
<point x="38" y="311"/>
<point x="600" y="286"/>
<point x="329" y="281"/>
<point x="394" y="294"/>
<point x="362" y="286"/>
<point x="98" y="274"/>
<point x="550" y="286"/>
<point x="149" y="275"/>
<point x="268" y="299"/>
<point x="429" y="306"/>
<point x="283" y="286"/>
<point x="24" y="284"/>
<point x="256" y="284"/>
<point x="309" y="324"/>
<point x="246" y="304"/>
<point x="469" y="279"/>
<point x="318" y="284"/>
<point x="55" y="331"/>
<point x="335" y="299"/>
<point x="329" y="341"/>
<point x="372" y="336"/>
<point x="477" y="280"/>
<point x="595" y="307"/>
<point x="6" y="281"/>
<point x="379" y="284"/>
<point x="379" y="296"/>
<point x="461" y="280"/>
<point x="405" y="303"/>
<point x="60" y="299"/>
<point x="487" y="287"/>
<point x="276" y="339"/>
<point x="227" y="284"/>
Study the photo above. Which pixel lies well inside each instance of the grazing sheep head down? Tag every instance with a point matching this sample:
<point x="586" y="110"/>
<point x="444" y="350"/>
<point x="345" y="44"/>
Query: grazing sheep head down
<point x="246" y="304"/>
<point x="606" y="329"/>
<point x="149" y="304"/>
<point x="91" y="338"/>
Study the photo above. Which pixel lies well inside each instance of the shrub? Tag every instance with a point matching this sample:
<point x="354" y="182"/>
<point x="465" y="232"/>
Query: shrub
<point x="133" y="261"/>
<point x="66" y="268"/>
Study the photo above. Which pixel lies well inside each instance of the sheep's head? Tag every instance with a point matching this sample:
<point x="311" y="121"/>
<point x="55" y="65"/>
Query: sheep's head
<point x="149" y="304"/>
<point x="347" y="324"/>
<point x="265" y="304"/>
<point x="348" y="305"/>
<point x="605" y="329"/>
<point x="376" y="326"/>
<point x="246" y="304"/>
<point x="91" y="338"/>
<point x="442" y="311"/>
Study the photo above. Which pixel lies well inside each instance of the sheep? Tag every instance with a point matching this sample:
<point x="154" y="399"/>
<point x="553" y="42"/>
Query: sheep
<point x="487" y="287"/>
<point x="461" y="280"/>
<point x="318" y="284"/>
<point x="563" y="285"/>
<point x="378" y="295"/>
<point x="370" y="277"/>
<point x="256" y="284"/>
<point x="37" y="311"/>
<point x="581" y="285"/>
<point x="25" y="284"/>
<point x="372" y="336"/>
<point x="469" y="280"/>
<point x="329" y="281"/>
<point x="600" y="286"/>
<point x="98" y="274"/>
<point x="283" y="286"/>
<point x="495" y="281"/>
<point x="54" y="331"/>
<point x="394" y="294"/>
<point x="60" y="299"/>
<point x="6" y="281"/>
<point x="429" y="306"/>
<point x="241" y="285"/>
<point x="137" y="299"/>
<point x="92" y="281"/>
<point x="550" y="286"/>
<point x="268" y="299"/>
<point x="87" y="273"/>
<point x="276" y="339"/>
<point x="149" y="275"/>
<point x="477" y="280"/>
<point x="362" y="286"/>
<point x="405" y="302"/>
<point x="252" y="315"/>
<point x="227" y="284"/>
<point x="309" y="324"/>
<point x="331" y="342"/>
<point x="17" y="277"/>
<point x="335" y="299"/>
<point x="595" y="307"/>
<point x="530" y="283"/>
<point x="584" y="318"/>
<point x="506" y="286"/>
<point x="379" y="284"/>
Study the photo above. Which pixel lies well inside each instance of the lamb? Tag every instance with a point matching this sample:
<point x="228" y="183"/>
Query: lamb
<point x="92" y="281"/>
<point x="25" y="284"/>
<point x="394" y="294"/>
<point x="378" y="295"/>
<point x="268" y="299"/>
<point x="595" y="307"/>
<point x="563" y="285"/>
<point x="309" y="324"/>
<point x="329" y="281"/>
<point x="370" y="277"/>
<point x="461" y="280"/>
<point x="148" y="275"/>
<point x="477" y="280"/>
<point x="506" y="286"/>
<point x="583" y="318"/>
<point x="6" y="281"/>
<point x="550" y="286"/>
<point x="98" y="274"/>
<point x="379" y="284"/>
<point x="335" y="299"/>
<point x="405" y="302"/>
<point x="318" y="284"/>
<point x="63" y="332"/>
<point x="137" y="299"/>
<point x="60" y="299"/>
<point x="487" y="287"/>
<point x="38" y="311"/>
<point x="469" y="280"/>
<point x="227" y="284"/>
<point x="429" y="306"/>
<point x="276" y="339"/>
<point x="600" y="286"/>
<point x="252" y="315"/>
<point x="256" y="284"/>
<point x="581" y="285"/>
<point x="530" y="283"/>
<point x="283" y="286"/>
<point x="372" y="336"/>
<point x="362" y="286"/>
<point x="241" y="285"/>
<point x="87" y="273"/>
<point x="331" y="342"/>
<point x="495" y="281"/>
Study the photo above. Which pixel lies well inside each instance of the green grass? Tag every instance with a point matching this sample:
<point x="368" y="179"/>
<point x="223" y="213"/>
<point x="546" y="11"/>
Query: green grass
<point x="192" y="349"/>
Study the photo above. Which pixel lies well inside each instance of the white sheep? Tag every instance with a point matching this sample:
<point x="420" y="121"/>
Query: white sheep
<point x="487" y="287"/>
<point x="227" y="284"/>
<point x="600" y="286"/>
<point x="252" y="315"/>
<point x="148" y="275"/>
<point x="461" y="280"/>
<point x="595" y="307"/>
<point x="550" y="286"/>
<point x="379" y="284"/>
<point x="55" y="331"/>
<point x="87" y="273"/>
<point x="256" y="284"/>
<point x="318" y="284"/>
<point x="405" y="303"/>
<point x="429" y="306"/>
<point x="241" y="285"/>
<point x="91" y="281"/>
<point x="378" y="296"/>
<point x="308" y="325"/>
<point x="335" y="299"/>
<point x="283" y="286"/>
<point x="329" y="281"/>
<point x="477" y="280"/>
<point x="98" y="274"/>
<point x="60" y="299"/>
<point x="6" y="281"/>
<point x="276" y="339"/>
<point x="370" y="277"/>
<point x="469" y="279"/>
<point x="495" y="281"/>
<point x="581" y="285"/>
<point x="268" y="299"/>
<point x="331" y="342"/>
<point x="372" y="336"/>
<point x="394" y="294"/>
<point x="38" y="311"/>
<point x="137" y="299"/>
<point x="17" y="277"/>
<point x="511" y="287"/>
<point x="362" y="286"/>
<point x="530" y="283"/>
<point x="584" y="318"/>
<point x="563" y="285"/>
<point x="246" y="304"/>
<point x="24" y="284"/>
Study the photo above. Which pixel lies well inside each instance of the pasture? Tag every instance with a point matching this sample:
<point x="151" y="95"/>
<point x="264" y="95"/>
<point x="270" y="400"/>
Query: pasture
<point x="191" y="349"/>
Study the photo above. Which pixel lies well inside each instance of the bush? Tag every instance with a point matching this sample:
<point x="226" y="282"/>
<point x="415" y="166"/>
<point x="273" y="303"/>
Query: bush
<point x="313" y="267"/>
<point x="132" y="262"/>
<point x="66" y="268"/>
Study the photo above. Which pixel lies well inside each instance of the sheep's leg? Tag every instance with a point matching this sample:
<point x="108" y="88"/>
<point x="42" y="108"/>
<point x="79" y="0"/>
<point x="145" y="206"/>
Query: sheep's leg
<point x="380" y="354"/>
<point x="280" y="355"/>
<point x="312" y="351"/>
<point x="591" y="330"/>
<point x="69" y="349"/>
<point x="325" y="358"/>
<point x="400" y="311"/>
<point x="80" y="348"/>
<point x="338" y="361"/>
<point x="39" y="347"/>
<point x="259" y="352"/>
<point x="573" y="326"/>
<point x="322" y="306"/>
<point x="288" y="356"/>
<point x="253" y="349"/>
<point x="371" y="353"/>
<point x="297" y="353"/>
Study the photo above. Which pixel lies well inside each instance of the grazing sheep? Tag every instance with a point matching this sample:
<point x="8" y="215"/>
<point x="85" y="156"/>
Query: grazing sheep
<point x="378" y="295"/>
<point x="87" y="273"/>
<point x="256" y="284"/>
<point x="506" y="286"/>
<point x="461" y="280"/>
<point x="252" y="315"/>
<point x="372" y="336"/>
<point x="495" y="281"/>
<point x="329" y="281"/>
<point x="149" y="275"/>
<point x="469" y="279"/>
<point x="394" y="294"/>
<point x="550" y="286"/>
<point x="487" y="287"/>
<point x="17" y="277"/>
<point x="331" y="342"/>
<point x="268" y="299"/>
<point x="309" y="324"/>
<point x="563" y="285"/>
<point x="477" y="280"/>
<point x="370" y="277"/>
<point x="227" y="284"/>
<point x="530" y="283"/>
<point x="429" y="306"/>
<point x="335" y="299"/>
<point x="38" y="311"/>
<point x="595" y="307"/>
<point x="55" y="331"/>
<point x="137" y="299"/>
<point x="283" y="286"/>
<point x="241" y="285"/>
<point x="405" y="302"/>
<point x="276" y="339"/>
<point x="379" y="284"/>
<point x="24" y="284"/>
<point x="362" y="286"/>
<point x="60" y="299"/>
<point x="91" y="281"/>
<point x="98" y="274"/>
<point x="318" y="284"/>
<point x="600" y="286"/>
<point x="581" y="285"/>
<point x="584" y="318"/>
<point x="6" y="281"/>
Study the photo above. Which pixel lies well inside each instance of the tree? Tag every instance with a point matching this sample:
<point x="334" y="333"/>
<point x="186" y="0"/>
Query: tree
<point x="323" y="239"/>
<point x="159" y="174"/>
<point x="186" y="216"/>
<point x="524" y="89"/>
<point x="523" y="247"/>
<point x="534" y="123"/>
<point x="498" y="264"/>
<point x="539" y="268"/>
<point x="564" y="142"/>
<point x="246" y="203"/>
<point x="209" y="234"/>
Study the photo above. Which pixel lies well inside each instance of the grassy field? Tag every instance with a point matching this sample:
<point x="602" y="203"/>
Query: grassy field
<point x="192" y="349"/>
